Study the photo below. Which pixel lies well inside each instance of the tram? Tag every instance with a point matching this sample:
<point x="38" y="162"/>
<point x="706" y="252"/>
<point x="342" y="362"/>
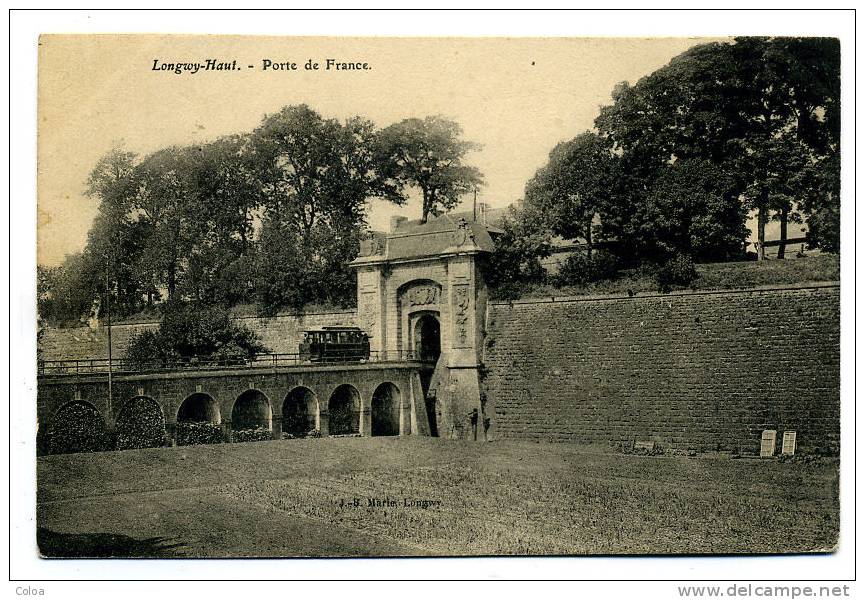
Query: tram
<point x="334" y="344"/>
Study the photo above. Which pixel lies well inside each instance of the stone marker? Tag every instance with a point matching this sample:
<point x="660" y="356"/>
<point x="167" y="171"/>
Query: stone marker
<point x="648" y="446"/>
<point x="767" y="443"/>
<point x="788" y="443"/>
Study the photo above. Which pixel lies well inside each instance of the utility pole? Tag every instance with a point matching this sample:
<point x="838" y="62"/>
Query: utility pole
<point x="761" y="233"/>
<point x="108" y="318"/>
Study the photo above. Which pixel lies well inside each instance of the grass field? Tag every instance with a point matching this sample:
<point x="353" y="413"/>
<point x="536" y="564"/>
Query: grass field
<point x="297" y="498"/>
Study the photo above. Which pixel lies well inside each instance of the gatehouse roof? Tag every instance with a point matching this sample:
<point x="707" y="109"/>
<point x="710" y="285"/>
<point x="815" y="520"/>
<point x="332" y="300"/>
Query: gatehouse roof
<point x="444" y="234"/>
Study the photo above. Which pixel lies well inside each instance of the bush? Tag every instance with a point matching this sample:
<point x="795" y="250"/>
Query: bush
<point x="192" y="433"/>
<point x="579" y="269"/>
<point x="313" y="433"/>
<point x="194" y="330"/>
<point x="140" y="425"/>
<point x="259" y="434"/>
<point x="78" y="427"/>
<point x="677" y="271"/>
<point x="343" y="421"/>
<point x="147" y="350"/>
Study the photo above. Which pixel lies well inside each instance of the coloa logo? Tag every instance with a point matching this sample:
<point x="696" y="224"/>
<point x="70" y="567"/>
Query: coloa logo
<point x="29" y="591"/>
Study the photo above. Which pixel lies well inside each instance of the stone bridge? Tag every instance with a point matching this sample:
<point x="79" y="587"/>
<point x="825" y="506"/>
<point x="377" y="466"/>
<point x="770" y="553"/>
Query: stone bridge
<point x="366" y="399"/>
<point x="420" y="294"/>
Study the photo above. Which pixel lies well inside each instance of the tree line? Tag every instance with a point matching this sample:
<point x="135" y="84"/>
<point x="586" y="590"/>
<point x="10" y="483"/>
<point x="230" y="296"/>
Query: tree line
<point x="668" y="177"/>
<point x="679" y="160"/>
<point x="271" y="217"/>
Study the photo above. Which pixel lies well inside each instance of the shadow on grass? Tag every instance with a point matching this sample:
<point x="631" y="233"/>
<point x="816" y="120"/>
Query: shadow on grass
<point x="101" y="545"/>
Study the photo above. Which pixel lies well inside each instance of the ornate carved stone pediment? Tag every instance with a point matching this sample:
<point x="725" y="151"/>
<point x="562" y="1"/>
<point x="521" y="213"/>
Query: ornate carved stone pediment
<point x="422" y="294"/>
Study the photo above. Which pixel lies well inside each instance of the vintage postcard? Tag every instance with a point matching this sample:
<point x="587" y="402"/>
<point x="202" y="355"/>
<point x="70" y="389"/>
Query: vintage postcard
<point x="438" y="296"/>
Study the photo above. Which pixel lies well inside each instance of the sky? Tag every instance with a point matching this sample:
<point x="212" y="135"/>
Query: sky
<point x="517" y="97"/>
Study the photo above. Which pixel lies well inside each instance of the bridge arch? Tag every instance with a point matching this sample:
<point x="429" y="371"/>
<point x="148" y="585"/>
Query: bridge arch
<point x="199" y="407"/>
<point x="198" y="420"/>
<point x="344" y="409"/>
<point x="300" y="412"/>
<point x="78" y="426"/>
<point x="251" y="417"/>
<point x="140" y="423"/>
<point x="386" y="404"/>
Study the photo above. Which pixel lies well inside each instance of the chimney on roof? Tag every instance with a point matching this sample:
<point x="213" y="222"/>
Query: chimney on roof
<point x="483" y="207"/>
<point x="396" y="221"/>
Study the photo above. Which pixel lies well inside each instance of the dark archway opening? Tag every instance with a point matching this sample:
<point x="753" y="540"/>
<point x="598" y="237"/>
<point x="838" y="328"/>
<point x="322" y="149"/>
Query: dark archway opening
<point x="299" y="411"/>
<point x="199" y="408"/>
<point x="386" y="402"/>
<point x="140" y="424"/>
<point x="344" y="411"/>
<point x="251" y="417"/>
<point x="428" y="344"/>
<point x="198" y="421"/>
<point x="78" y="427"/>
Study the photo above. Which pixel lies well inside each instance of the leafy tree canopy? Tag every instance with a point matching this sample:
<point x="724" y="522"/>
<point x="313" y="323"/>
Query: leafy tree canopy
<point x="428" y="154"/>
<point x="747" y="107"/>
<point x="682" y="156"/>
<point x="692" y="209"/>
<point x="272" y="216"/>
<point x="576" y="186"/>
<point x="316" y="176"/>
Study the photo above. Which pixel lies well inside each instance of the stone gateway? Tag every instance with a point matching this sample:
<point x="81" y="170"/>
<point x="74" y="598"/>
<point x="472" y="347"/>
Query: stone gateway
<point x="420" y="290"/>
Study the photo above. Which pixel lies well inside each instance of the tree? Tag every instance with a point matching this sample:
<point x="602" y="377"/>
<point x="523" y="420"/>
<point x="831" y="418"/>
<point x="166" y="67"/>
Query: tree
<point x="735" y="105"/>
<point x="693" y="209"/>
<point x="65" y="293"/>
<point x="823" y="206"/>
<point x="221" y="214"/>
<point x="428" y="154"/>
<point x="105" y="268"/>
<point x="575" y="187"/>
<point x="167" y="180"/>
<point x="813" y="69"/>
<point x="793" y="118"/>
<point x="312" y="169"/>
<point x="519" y="249"/>
<point x="783" y="173"/>
<point x="291" y="271"/>
<point x="114" y="242"/>
<point x="690" y="108"/>
<point x="315" y="176"/>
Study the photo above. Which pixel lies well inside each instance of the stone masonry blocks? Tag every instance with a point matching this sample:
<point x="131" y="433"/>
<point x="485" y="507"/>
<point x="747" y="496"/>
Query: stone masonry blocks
<point x="705" y="371"/>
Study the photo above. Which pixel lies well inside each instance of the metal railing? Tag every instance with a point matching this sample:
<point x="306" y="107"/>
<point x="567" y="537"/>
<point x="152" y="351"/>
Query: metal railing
<point x="122" y="365"/>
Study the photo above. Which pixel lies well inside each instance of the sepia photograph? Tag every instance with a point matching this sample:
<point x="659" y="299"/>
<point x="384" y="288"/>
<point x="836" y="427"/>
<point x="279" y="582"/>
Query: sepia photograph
<point x="492" y="296"/>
